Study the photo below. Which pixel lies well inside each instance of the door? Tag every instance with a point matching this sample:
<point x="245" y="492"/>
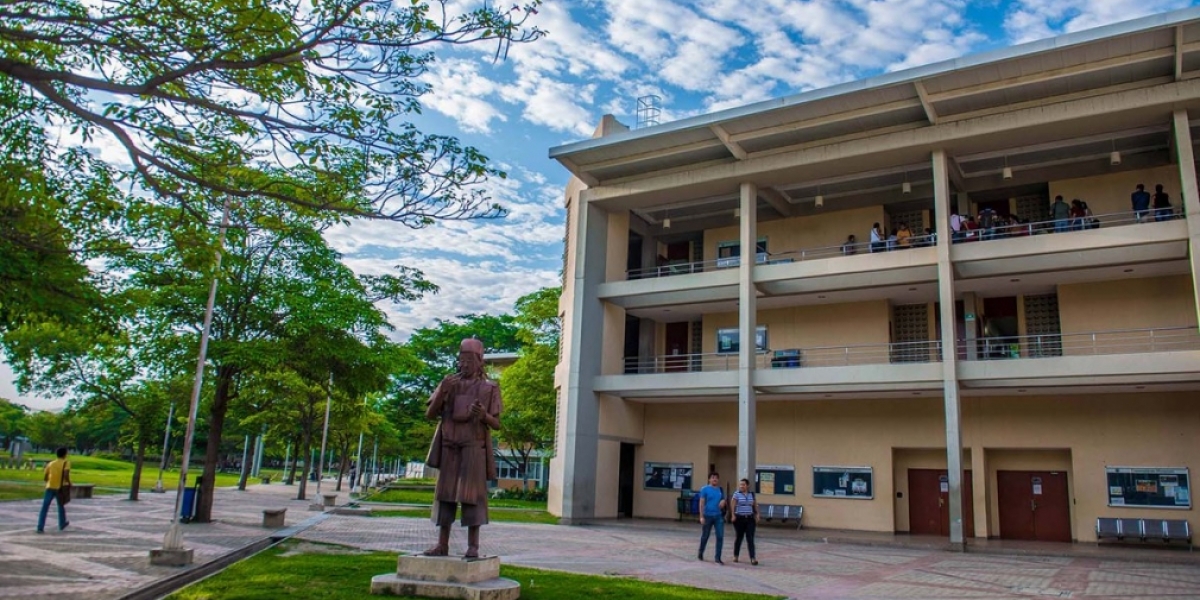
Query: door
<point x="678" y="343"/>
<point x="723" y="460"/>
<point x="625" y="475"/>
<point x="1034" y="505"/>
<point x="929" y="503"/>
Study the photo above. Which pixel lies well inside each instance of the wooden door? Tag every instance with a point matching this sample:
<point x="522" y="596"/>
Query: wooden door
<point x="929" y="503"/>
<point x="1034" y="505"/>
<point x="678" y="341"/>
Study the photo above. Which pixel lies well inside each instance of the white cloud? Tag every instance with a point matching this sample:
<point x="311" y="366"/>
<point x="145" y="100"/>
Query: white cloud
<point x="1029" y="20"/>
<point x="459" y="91"/>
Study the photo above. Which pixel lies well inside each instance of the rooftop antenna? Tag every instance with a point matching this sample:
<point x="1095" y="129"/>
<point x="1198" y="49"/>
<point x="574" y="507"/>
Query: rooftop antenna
<point x="649" y="110"/>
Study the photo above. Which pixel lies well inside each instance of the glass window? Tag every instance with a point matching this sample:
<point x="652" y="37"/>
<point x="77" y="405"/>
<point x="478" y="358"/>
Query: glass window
<point x="729" y="252"/>
<point x="727" y="339"/>
<point x="507" y="470"/>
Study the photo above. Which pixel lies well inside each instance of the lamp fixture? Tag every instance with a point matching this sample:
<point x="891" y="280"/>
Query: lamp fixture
<point x="1114" y="157"/>
<point x="906" y="187"/>
<point x="667" y="221"/>
<point x="737" y="213"/>
<point x="819" y="201"/>
<point x="1006" y="173"/>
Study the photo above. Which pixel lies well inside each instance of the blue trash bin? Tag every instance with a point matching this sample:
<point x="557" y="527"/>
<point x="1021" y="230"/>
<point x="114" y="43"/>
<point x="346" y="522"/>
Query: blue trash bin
<point x="188" y="510"/>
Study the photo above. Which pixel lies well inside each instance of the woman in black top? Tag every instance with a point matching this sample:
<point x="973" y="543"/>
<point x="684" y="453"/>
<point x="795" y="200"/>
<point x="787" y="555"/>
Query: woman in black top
<point x="745" y="519"/>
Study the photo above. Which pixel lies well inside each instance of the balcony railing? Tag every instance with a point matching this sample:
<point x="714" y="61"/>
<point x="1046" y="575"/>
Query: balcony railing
<point x="826" y="356"/>
<point x="1011" y="230"/>
<point x="1126" y="341"/>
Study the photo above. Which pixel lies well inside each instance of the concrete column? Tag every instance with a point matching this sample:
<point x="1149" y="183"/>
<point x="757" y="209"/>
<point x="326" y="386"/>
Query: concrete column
<point x="649" y="252"/>
<point x="1189" y="194"/>
<point x="747" y="330"/>
<point x="647" y="343"/>
<point x="971" y="318"/>
<point x="962" y="203"/>
<point x="581" y="445"/>
<point x="946" y="296"/>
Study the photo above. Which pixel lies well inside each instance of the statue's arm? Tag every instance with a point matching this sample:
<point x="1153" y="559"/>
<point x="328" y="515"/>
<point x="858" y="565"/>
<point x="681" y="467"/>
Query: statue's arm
<point x="494" y="407"/>
<point x="437" y="402"/>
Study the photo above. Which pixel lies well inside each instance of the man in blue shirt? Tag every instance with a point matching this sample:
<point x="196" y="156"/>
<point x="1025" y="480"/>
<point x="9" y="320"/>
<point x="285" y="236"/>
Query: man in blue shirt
<point x="712" y="503"/>
<point x="1141" y="202"/>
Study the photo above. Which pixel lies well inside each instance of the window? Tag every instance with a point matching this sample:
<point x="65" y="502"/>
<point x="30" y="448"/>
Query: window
<point x="729" y="253"/>
<point x="506" y="470"/>
<point x="727" y="340"/>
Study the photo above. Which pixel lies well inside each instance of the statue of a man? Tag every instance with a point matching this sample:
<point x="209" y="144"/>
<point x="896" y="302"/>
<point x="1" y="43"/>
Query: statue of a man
<point x="468" y="406"/>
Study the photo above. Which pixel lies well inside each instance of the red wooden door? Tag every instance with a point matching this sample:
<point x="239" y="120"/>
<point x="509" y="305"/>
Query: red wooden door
<point x="1034" y="505"/>
<point x="678" y="346"/>
<point x="929" y="505"/>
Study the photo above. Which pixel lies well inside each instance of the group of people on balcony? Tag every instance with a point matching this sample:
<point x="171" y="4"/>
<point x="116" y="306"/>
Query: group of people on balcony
<point x="1142" y="202"/>
<point x="988" y="224"/>
<point x="900" y="238"/>
<point x="1073" y="217"/>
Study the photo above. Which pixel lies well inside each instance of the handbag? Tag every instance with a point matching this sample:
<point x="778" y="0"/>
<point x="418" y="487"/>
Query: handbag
<point x="64" y="494"/>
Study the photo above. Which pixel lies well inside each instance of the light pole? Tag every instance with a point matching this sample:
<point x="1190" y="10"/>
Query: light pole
<point x="374" y="465"/>
<point x="318" y="505"/>
<point x="162" y="464"/>
<point x="173" y="553"/>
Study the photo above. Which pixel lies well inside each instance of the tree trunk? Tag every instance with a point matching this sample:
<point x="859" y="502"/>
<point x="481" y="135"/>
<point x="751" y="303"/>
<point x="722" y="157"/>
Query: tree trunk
<point x="307" y="449"/>
<point x="342" y="466"/>
<point x="291" y="473"/>
<point x="212" y="454"/>
<point x="136" y="484"/>
<point x="252" y="454"/>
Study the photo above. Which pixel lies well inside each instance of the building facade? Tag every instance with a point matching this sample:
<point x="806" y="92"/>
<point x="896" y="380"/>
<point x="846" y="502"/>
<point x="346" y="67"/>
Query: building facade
<point x="998" y="366"/>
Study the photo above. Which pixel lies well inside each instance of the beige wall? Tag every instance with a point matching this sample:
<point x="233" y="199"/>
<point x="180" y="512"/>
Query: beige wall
<point x="1110" y="193"/>
<point x="799" y="233"/>
<point x="617" y="246"/>
<point x="815" y="326"/>
<point x="1080" y="435"/>
<point x="1127" y="304"/>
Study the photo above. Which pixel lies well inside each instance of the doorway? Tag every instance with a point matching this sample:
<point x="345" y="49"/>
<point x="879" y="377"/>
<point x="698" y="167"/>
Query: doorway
<point x="678" y="338"/>
<point x="625" y="479"/>
<point x="929" y="502"/>
<point x="723" y="460"/>
<point x="1034" y="505"/>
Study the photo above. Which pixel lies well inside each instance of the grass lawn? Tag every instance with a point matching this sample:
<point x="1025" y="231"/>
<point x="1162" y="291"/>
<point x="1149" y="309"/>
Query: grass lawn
<point x="109" y="476"/>
<point x="320" y="571"/>
<point x="496" y="516"/>
<point x="426" y="497"/>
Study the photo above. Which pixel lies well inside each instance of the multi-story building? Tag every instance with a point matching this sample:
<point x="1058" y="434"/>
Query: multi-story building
<point x="1015" y="380"/>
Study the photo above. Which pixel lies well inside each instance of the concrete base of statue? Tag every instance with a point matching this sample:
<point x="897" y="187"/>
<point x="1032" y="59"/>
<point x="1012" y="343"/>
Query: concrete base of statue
<point x="447" y="577"/>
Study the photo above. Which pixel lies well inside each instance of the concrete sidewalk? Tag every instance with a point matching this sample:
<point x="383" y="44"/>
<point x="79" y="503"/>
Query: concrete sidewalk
<point x="104" y="554"/>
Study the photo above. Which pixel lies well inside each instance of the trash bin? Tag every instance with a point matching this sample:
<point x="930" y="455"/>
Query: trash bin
<point x="188" y="510"/>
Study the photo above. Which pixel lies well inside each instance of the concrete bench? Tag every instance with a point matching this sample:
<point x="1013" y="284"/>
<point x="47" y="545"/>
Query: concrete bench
<point x="330" y="499"/>
<point x="273" y="518"/>
<point x="783" y="512"/>
<point x="82" y="490"/>
<point x="1144" y="530"/>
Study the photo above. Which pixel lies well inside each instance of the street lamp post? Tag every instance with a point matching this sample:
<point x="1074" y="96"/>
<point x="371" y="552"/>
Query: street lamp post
<point x="173" y="553"/>
<point x="318" y="505"/>
<point x="162" y="464"/>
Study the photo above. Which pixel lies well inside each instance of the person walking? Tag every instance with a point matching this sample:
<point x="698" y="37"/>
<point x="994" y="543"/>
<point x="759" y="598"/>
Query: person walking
<point x="57" y="474"/>
<point x="745" y="520"/>
<point x="712" y="508"/>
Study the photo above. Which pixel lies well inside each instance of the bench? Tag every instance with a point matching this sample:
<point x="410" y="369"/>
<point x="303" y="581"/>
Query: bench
<point x="1144" y="530"/>
<point x="274" y="517"/>
<point x="783" y="512"/>
<point x="82" y="490"/>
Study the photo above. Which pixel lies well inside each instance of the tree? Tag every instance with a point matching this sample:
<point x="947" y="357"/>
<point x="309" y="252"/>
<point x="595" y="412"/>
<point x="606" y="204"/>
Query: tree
<point x="304" y="103"/>
<point x="12" y="420"/>
<point x="528" y="384"/>
<point x="50" y="430"/>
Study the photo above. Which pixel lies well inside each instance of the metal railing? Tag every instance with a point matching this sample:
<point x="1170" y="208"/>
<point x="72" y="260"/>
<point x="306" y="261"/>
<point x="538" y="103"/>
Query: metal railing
<point x="825" y="356"/>
<point x="1079" y="223"/>
<point x="1125" y="341"/>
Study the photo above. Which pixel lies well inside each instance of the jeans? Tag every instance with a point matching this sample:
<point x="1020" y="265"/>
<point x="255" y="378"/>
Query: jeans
<point x="62" y="512"/>
<point x="1163" y="214"/>
<point x="1061" y="225"/>
<point x="744" y="526"/>
<point x="709" y="522"/>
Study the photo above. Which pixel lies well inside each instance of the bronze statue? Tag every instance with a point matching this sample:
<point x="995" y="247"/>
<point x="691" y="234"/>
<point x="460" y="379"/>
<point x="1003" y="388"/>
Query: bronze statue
<point x="468" y="406"/>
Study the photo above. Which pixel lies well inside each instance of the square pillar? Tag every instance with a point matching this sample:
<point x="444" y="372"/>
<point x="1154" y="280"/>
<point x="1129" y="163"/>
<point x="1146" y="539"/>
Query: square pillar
<point x="1189" y="194"/>
<point x="747" y="331"/>
<point x="946" y="297"/>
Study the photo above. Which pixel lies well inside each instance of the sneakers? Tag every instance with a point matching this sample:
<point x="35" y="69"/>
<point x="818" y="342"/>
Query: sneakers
<point x="700" y="556"/>
<point x="754" y="561"/>
<point x="65" y="525"/>
<point x="718" y="561"/>
<point x="735" y="559"/>
<point x="41" y="531"/>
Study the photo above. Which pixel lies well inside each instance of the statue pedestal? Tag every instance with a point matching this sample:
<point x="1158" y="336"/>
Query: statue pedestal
<point x="447" y="577"/>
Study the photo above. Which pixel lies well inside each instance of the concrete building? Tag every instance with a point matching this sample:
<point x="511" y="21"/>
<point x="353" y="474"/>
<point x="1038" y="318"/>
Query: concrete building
<point x="1016" y="381"/>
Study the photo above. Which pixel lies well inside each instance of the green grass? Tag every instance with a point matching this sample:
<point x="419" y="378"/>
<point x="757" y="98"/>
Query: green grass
<point x="496" y="516"/>
<point x="324" y="572"/>
<point x="104" y="473"/>
<point x="20" y="491"/>
<point x="426" y="497"/>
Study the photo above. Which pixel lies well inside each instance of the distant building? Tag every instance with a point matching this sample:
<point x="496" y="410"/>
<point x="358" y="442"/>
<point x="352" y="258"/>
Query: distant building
<point x="1013" y="382"/>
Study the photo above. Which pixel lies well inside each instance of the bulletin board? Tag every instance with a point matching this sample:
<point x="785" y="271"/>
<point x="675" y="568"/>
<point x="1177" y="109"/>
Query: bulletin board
<point x="844" y="482"/>
<point x="667" y="476"/>
<point x="1149" y="487"/>
<point x="775" y="479"/>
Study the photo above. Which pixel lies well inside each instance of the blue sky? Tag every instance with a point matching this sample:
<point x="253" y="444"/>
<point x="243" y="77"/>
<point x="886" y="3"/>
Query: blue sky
<point x="598" y="57"/>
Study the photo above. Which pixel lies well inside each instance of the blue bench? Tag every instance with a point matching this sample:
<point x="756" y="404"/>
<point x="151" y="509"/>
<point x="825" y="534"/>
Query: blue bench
<point x="1144" y="530"/>
<point x="783" y="512"/>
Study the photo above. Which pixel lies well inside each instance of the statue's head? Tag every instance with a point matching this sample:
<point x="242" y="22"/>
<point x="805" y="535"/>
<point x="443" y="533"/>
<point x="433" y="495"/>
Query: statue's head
<point x="470" y="358"/>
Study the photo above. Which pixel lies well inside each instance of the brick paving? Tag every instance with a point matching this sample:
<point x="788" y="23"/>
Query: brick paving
<point x="104" y="555"/>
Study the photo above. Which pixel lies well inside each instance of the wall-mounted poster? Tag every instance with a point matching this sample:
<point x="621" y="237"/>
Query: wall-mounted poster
<point x="775" y="479"/>
<point x="667" y="476"/>
<point x="1149" y="487"/>
<point x="843" y="482"/>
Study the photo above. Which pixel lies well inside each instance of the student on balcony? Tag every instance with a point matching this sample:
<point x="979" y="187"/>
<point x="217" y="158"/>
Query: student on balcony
<point x="1162" y="204"/>
<point x="903" y="237"/>
<point x="1078" y="215"/>
<point x="878" y="242"/>
<point x="1140" y="199"/>
<point x="1061" y="213"/>
<point x="956" y="226"/>
<point x="850" y="248"/>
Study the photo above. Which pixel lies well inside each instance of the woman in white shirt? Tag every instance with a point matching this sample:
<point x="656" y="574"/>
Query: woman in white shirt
<point x="878" y="244"/>
<point x="745" y="519"/>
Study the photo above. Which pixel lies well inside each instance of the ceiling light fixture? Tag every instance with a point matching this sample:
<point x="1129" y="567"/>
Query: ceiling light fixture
<point x="819" y="201"/>
<point x="667" y="223"/>
<point x="906" y="187"/>
<point x="1006" y="173"/>
<point x="1114" y="158"/>
<point x="737" y="213"/>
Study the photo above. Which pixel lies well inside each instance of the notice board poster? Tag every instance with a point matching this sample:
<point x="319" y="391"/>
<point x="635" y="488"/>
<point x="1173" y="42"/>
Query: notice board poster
<point x="775" y="479"/>
<point x="667" y="476"/>
<point x="1149" y="487"/>
<point x="843" y="482"/>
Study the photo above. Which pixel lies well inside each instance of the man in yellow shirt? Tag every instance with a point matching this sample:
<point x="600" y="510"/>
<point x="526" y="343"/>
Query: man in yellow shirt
<point x="57" y="473"/>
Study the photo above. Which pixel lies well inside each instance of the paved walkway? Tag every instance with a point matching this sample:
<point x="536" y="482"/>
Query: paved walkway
<point x="104" y="555"/>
